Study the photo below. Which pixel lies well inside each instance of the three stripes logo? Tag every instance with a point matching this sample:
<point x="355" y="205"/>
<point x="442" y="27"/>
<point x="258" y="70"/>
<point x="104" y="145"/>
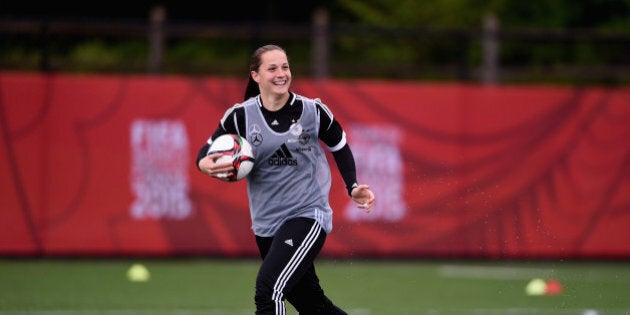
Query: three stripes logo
<point x="282" y="157"/>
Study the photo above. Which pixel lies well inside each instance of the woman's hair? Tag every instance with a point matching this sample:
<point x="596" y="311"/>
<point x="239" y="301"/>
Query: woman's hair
<point x="254" y="63"/>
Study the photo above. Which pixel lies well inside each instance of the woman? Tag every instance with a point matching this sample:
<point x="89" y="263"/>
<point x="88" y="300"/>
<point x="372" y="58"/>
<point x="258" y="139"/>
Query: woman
<point x="289" y="185"/>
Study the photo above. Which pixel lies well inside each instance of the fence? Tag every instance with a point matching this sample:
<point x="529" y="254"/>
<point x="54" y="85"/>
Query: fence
<point x="321" y="49"/>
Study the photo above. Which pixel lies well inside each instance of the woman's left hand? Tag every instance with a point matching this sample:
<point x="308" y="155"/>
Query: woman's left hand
<point x="364" y="197"/>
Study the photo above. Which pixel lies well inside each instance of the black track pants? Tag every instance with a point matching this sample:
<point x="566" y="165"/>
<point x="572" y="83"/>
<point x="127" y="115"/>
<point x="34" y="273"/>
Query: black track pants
<point x="288" y="271"/>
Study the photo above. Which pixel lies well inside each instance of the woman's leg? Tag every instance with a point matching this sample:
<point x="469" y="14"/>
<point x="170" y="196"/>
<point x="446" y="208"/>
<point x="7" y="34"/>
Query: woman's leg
<point x="288" y="271"/>
<point x="308" y="298"/>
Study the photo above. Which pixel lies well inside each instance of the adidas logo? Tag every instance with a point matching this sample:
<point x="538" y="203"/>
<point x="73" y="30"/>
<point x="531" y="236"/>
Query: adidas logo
<point x="289" y="242"/>
<point x="282" y="156"/>
<point x="275" y="123"/>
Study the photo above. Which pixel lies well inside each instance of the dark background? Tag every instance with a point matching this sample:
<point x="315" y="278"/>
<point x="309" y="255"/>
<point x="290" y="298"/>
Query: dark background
<point x="564" y="41"/>
<point x="282" y="10"/>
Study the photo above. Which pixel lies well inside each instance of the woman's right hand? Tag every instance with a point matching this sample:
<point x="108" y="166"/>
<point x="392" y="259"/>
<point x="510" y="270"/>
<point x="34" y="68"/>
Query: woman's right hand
<point x="220" y="171"/>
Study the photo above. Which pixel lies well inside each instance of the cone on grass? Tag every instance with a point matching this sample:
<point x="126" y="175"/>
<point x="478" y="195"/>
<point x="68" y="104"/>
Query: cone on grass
<point x="554" y="287"/>
<point x="538" y="286"/>
<point x="138" y="273"/>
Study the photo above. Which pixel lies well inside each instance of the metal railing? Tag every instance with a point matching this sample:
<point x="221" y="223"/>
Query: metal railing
<point x="488" y="54"/>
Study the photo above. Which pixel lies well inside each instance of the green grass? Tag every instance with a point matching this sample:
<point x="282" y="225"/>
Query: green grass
<point x="221" y="286"/>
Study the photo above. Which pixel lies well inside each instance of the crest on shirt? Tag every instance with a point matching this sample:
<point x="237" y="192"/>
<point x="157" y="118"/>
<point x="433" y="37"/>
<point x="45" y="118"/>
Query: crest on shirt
<point x="299" y="134"/>
<point x="296" y="129"/>
<point x="304" y="138"/>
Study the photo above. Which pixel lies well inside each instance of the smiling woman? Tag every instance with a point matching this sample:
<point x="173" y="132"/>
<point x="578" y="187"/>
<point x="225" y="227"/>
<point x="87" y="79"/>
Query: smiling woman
<point x="289" y="185"/>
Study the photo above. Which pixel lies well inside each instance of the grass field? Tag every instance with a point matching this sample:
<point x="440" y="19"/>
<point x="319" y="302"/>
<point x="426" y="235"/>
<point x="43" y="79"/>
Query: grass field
<point x="362" y="287"/>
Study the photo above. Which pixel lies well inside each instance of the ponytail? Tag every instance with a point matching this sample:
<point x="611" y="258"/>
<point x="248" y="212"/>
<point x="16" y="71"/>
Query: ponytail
<point x="252" y="89"/>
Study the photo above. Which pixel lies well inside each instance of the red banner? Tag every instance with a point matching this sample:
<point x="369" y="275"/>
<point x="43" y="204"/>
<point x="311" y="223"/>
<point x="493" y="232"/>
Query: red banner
<point x="104" y="165"/>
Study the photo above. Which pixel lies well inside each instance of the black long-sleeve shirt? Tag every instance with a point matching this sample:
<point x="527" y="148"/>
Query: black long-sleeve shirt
<point x="330" y="132"/>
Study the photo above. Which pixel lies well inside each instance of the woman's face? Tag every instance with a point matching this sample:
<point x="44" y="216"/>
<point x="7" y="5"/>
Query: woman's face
<point x="274" y="74"/>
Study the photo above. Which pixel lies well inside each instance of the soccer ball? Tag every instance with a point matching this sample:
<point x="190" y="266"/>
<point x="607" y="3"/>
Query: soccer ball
<point x="237" y="150"/>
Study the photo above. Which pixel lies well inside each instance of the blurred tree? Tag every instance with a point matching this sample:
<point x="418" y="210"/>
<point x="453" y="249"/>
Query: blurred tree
<point x="426" y="13"/>
<point x="596" y="14"/>
<point x="465" y="13"/>
<point x="608" y="14"/>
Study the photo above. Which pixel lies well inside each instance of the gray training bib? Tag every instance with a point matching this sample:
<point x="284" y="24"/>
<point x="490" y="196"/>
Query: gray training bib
<point x="291" y="176"/>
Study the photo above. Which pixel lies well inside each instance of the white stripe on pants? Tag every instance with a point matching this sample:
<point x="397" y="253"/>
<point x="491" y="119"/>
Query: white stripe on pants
<point x="290" y="268"/>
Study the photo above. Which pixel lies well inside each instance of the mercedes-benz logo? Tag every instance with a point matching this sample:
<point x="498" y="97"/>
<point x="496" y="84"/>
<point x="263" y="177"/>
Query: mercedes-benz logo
<point x="254" y="129"/>
<point x="257" y="139"/>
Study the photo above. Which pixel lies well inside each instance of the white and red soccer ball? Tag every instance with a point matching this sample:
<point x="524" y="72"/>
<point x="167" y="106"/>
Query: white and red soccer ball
<point x="237" y="150"/>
